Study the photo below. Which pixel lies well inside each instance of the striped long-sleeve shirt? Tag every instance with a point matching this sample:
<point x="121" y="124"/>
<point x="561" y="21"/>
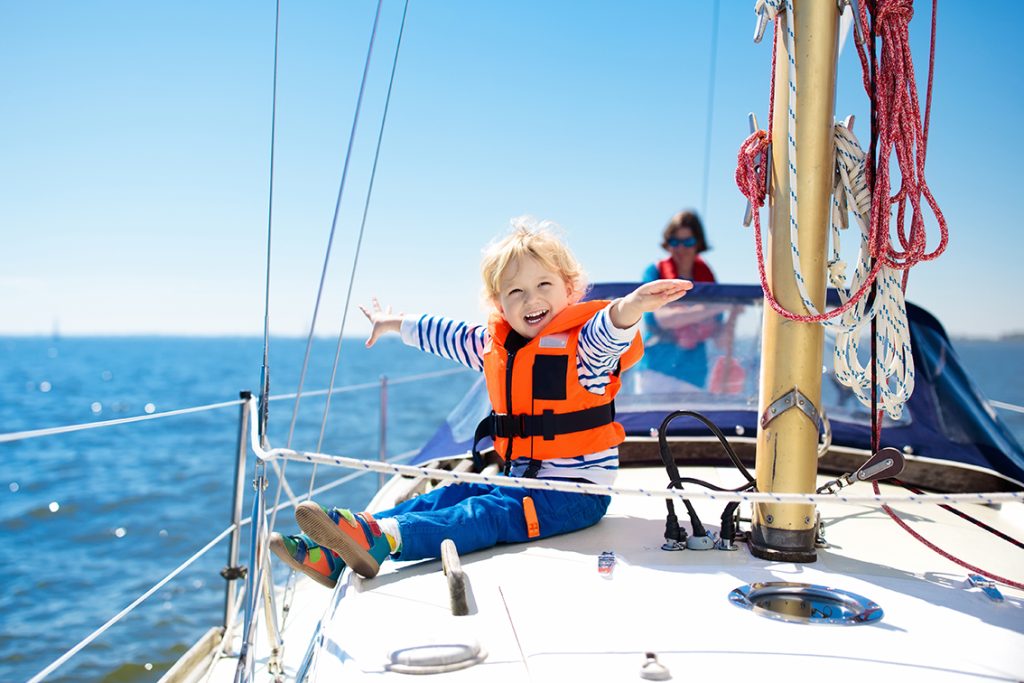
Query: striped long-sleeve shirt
<point x="600" y="346"/>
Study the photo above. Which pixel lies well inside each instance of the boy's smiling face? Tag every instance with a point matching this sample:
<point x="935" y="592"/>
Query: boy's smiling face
<point x="531" y="295"/>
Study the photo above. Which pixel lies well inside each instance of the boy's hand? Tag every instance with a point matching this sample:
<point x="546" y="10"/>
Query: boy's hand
<point x="646" y="298"/>
<point x="383" y="321"/>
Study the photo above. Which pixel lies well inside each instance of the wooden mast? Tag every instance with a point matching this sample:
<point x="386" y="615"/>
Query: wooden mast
<point x="791" y="363"/>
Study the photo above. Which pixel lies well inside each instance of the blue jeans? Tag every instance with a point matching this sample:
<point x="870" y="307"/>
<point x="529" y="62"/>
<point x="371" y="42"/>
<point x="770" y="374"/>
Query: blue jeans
<point x="477" y="516"/>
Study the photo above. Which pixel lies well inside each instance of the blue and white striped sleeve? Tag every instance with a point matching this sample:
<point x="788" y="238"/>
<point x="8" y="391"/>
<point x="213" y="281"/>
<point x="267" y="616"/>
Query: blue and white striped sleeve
<point x="601" y="344"/>
<point x="447" y="338"/>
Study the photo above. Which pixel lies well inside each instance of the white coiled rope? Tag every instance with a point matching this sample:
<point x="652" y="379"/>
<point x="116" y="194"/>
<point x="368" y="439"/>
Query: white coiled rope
<point x="894" y="365"/>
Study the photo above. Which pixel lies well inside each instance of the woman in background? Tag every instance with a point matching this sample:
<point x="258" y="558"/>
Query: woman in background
<point x="674" y="338"/>
<point x="683" y="239"/>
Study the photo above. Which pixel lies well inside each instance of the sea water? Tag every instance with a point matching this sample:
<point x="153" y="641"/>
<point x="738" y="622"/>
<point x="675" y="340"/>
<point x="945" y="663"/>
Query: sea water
<point x="91" y="520"/>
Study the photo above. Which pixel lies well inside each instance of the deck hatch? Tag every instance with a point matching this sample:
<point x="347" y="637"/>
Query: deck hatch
<point x="805" y="603"/>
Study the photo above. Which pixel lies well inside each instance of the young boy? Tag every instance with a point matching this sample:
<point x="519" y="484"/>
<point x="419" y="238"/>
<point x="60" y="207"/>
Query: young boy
<point x="552" y="369"/>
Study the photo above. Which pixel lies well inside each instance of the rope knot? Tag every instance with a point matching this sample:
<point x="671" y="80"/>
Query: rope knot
<point x="751" y="169"/>
<point x="895" y="11"/>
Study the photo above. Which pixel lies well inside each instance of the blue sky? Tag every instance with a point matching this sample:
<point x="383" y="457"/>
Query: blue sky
<point x="135" y="138"/>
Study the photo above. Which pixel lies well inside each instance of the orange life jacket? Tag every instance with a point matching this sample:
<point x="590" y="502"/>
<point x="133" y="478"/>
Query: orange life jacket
<point x="540" y="409"/>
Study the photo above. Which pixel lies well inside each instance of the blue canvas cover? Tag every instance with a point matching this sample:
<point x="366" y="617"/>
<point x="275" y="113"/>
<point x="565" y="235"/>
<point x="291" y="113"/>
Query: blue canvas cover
<point x="711" y="365"/>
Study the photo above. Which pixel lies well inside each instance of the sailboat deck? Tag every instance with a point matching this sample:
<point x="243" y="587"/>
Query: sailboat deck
<point x="541" y="611"/>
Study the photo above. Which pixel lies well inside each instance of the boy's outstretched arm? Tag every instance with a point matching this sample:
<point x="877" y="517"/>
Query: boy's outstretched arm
<point x="383" y="321"/>
<point x="646" y="298"/>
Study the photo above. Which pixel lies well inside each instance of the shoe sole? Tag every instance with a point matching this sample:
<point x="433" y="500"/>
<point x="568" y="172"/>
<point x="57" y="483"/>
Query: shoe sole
<point x="322" y="529"/>
<point x="278" y="547"/>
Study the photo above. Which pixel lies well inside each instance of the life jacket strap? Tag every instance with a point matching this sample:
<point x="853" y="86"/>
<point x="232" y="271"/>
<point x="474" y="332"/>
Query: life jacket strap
<point x="547" y="425"/>
<point x="533" y="469"/>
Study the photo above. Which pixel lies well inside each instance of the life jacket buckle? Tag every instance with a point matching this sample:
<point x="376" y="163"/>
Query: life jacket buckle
<point x="508" y="426"/>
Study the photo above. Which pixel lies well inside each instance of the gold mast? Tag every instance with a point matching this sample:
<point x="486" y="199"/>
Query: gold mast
<point x="791" y="362"/>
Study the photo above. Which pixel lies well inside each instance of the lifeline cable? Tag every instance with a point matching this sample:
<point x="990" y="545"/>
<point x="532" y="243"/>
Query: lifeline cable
<point x="602" y="489"/>
<point x="605" y="490"/>
<point x="82" y="426"/>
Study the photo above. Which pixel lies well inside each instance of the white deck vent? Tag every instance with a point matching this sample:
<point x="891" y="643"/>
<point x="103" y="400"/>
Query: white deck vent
<point x="434" y="658"/>
<point x="804" y="603"/>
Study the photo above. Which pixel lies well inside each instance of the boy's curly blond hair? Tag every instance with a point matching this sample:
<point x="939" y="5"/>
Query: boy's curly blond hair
<point x="529" y="237"/>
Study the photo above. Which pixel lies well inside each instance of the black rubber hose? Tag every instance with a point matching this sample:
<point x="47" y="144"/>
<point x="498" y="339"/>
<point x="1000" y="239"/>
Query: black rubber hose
<point x="669" y="462"/>
<point x="676" y="481"/>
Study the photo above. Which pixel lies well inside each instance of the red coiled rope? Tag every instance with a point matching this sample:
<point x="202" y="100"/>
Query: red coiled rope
<point x="900" y="132"/>
<point x="751" y="179"/>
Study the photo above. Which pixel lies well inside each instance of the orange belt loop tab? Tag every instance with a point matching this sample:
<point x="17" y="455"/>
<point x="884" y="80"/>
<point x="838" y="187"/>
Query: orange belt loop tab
<point x="530" y="513"/>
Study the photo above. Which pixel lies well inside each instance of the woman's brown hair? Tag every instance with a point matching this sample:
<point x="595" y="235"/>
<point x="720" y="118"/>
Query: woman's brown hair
<point x="685" y="219"/>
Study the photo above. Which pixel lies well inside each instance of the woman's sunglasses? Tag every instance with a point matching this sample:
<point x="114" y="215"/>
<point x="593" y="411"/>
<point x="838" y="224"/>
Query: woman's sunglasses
<point x="685" y="242"/>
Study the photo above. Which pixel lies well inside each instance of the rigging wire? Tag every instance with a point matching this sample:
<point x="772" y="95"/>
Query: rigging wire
<point x="711" y="108"/>
<point x="359" y="240"/>
<point x="264" y="407"/>
<point x="334" y="220"/>
<point x="327" y="251"/>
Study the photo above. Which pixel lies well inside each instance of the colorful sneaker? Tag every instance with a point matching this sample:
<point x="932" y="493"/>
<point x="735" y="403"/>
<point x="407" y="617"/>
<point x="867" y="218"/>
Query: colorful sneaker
<point x="356" y="537"/>
<point x="300" y="552"/>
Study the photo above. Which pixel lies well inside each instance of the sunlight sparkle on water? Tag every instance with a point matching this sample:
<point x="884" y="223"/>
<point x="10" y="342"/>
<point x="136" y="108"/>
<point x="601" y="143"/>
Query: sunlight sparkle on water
<point x="45" y="386"/>
<point x="150" y="409"/>
<point x="96" y="407"/>
<point x="120" y="532"/>
<point x="54" y="506"/>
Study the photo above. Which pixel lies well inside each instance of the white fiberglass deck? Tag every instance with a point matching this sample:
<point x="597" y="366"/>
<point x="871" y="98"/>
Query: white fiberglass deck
<point x="542" y="612"/>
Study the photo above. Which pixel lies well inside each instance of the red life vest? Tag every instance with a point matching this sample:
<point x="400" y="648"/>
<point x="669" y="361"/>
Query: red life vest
<point x="701" y="271"/>
<point x="540" y="409"/>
